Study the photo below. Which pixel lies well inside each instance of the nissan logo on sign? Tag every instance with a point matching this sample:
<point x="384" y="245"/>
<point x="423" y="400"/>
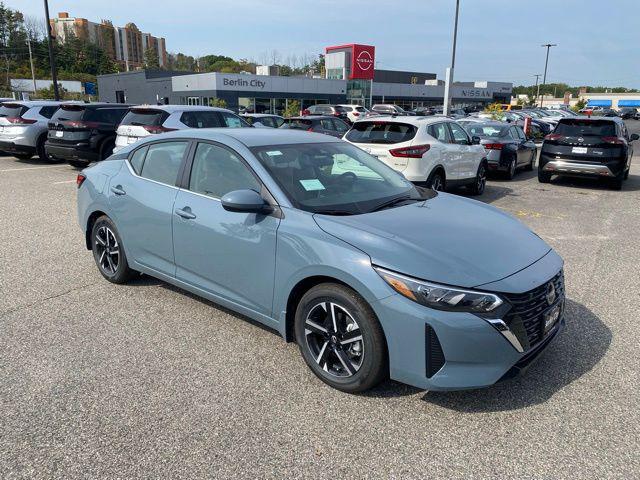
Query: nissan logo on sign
<point x="364" y="60"/>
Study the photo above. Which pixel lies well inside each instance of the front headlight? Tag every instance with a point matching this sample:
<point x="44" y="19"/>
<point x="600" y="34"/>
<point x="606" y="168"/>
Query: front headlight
<point x="440" y="297"/>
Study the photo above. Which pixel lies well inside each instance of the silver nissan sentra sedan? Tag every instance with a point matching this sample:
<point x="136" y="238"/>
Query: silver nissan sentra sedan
<point x="372" y="276"/>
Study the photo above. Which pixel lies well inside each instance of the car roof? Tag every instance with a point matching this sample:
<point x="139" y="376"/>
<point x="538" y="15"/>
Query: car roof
<point x="496" y="124"/>
<point x="311" y="117"/>
<point x="96" y="104"/>
<point x="37" y="103"/>
<point x="413" y="120"/>
<point x="250" y="137"/>
<point x="259" y="115"/>
<point x="181" y="108"/>
<point x="591" y="119"/>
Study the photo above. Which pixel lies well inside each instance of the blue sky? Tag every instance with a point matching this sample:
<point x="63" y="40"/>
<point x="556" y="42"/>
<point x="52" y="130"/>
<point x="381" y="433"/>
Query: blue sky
<point x="598" y="41"/>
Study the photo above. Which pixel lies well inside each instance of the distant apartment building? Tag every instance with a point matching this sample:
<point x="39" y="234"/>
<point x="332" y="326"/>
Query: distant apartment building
<point x="125" y="45"/>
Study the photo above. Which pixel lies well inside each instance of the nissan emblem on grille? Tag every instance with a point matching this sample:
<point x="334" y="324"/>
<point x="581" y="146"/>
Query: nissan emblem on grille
<point x="551" y="293"/>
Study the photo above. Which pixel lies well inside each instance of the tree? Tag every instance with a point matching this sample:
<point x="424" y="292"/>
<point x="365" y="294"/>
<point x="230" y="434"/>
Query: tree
<point x="495" y="109"/>
<point x="293" y="109"/>
<point x="580" y="104"/>
<point x="151" y="59"/>
<point x="218" y="102"/>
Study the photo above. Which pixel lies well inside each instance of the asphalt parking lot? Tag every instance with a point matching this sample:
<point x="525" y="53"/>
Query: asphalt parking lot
<point x="99" y="380"/>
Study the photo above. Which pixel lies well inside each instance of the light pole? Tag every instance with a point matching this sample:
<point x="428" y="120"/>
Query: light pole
<point x="537" y="75"/>
<point x="449" y="74"/>
<point x="52" y="60"/>
<point x="546" y="62"/>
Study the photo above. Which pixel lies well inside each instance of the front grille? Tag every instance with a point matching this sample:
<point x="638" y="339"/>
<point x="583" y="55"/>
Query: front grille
<point x="525" y="319"/>
<point x="434" y="353"/>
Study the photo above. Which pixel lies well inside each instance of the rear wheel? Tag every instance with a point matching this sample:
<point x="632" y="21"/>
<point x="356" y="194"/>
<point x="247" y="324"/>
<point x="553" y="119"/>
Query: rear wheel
<point x="436" y="181"/>
<point x="340" y="338"/>
<point x="108" y="252"/>
<point x="529" y="166"/>
<point x="543" y="177"/>
<point x="41" y="152"/>
<point x="513" y="166"/>
<point x="616" y="183"/>
<point x="481" y="180"/>
<point x="626" y="173"/>
<point x="23" y="156"/>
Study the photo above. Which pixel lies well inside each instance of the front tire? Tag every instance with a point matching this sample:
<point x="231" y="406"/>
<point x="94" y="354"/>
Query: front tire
<point x="543" y="177"/>
<point x="340" y="338"/>
<point x="481" y="180"/>
<point x="108" y="251"/>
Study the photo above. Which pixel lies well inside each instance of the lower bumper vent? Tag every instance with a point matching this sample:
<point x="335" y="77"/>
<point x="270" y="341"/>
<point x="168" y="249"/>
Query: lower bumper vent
<point x="434" y="354"/>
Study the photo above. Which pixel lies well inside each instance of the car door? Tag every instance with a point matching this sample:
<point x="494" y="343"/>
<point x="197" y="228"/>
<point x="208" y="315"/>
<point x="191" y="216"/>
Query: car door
<point x="227" y="254"/>
<point x="448" y="150"/>
<point x="466" y="158"/>
<point x="141" y="197"/>
<point x="527" y="146"/>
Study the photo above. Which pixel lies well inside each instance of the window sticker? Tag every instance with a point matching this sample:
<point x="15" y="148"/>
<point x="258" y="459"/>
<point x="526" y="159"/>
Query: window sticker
<point x="312" y="184"/>
<point x="274" y="153"/>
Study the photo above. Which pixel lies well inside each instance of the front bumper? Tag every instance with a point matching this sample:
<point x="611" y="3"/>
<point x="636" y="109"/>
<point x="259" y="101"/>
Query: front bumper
<point x="438" y="350"/>
<point x="80" y="152"/>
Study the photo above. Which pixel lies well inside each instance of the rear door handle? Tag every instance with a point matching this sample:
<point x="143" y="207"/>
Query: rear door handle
<point x="118" y="190"/>
<point x="185" y="213"/>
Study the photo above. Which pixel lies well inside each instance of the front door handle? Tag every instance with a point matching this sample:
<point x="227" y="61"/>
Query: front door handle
<point x="185" y="213"/>
<point x="118" y="190"/>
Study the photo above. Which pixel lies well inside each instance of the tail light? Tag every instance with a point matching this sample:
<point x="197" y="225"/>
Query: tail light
<point x="305" y="112"/>
<point x="80" y="179"/>
<point x="80" y="124"/>
<point x="19" y="120"/>
<point x="493" y="146"/>
<point x="310" y="129"/>
<point x="356" y="114"/>
<point x="553" y="136"/>
<point x="614" y="140"/>
<point x="415" y="151"/>
<point x="158" y="129"/>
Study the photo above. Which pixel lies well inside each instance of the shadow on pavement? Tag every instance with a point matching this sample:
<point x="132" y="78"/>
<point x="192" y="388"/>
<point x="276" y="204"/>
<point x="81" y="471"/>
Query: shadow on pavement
<point x="575" y="352"/>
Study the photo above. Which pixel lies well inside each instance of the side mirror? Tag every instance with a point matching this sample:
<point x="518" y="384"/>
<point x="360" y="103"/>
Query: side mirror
<point x="634" y="137"/>
<point x="245" y="201"/>
<point x="475" y="140"/>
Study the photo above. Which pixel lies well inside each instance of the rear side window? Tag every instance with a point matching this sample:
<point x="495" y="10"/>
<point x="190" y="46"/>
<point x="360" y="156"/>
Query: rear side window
<point x="137" y="159"/>
<point x="163" y="161"/>
<point x="232" y="121"/>
<point x="201" y="119"/>
<point x="439" y="132"/>
<point x="12" y="110"/>
<point x="381" y="132"/>
<point x="47" y="112"/>
<point x="145" y="117"/>
<point x="577" y="128"/>
<point x="299" y="124"/>
<point x="340" y="126"/>
<point x="327" y="124"/>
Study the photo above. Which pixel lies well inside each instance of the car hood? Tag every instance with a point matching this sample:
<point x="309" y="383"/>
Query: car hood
<point x="447" y="239"/>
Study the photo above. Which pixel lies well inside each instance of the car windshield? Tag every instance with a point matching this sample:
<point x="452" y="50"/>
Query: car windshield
<point x="577" y="128"/>
<point x="381" y="132"/>
<point x="336" y="178"/>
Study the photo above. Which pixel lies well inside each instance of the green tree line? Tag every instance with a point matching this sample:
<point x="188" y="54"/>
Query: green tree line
<point x="560" y="88"/>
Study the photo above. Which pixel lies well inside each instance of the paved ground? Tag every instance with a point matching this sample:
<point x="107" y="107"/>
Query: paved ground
<point x="98" y="380"/>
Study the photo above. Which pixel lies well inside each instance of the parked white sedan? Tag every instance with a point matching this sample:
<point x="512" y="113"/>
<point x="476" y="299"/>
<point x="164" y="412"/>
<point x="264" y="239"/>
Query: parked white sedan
<point x="431" y="151"/>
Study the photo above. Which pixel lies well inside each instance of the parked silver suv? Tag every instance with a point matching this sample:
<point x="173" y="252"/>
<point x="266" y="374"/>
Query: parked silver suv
<point x="23" y="127"/>
<point x="142" y="121"/>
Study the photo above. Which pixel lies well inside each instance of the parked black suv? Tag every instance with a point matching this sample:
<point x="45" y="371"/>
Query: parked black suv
<point x="319" y="124"/>
<point x="333" y="110"/>
<point x="592" y="147"/>
<point x="84" y="133"/>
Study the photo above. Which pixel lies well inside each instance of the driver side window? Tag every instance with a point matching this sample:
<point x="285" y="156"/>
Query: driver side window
<point x="458" y="134"/>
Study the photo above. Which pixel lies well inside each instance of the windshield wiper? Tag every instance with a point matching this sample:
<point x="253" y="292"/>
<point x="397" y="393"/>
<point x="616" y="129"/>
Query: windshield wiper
<point x="393" y="202"/>
<point x="334" y="212"/>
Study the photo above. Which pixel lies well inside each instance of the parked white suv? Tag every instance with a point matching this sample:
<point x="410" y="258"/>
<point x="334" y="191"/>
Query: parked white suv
<point x="431" y="151"/>
<point x="24" y="127"/>
<point x="145" y="120"/>
<point x="354" y="112"/>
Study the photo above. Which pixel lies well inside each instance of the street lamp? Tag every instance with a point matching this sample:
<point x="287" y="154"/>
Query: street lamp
<point x="449" y="73"/>
<point x="52" y="60"/>
<point x="546" y="62"/>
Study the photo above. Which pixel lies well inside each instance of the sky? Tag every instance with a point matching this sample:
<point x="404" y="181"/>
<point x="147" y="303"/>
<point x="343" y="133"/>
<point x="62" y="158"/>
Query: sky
<point x="498" y="40"/>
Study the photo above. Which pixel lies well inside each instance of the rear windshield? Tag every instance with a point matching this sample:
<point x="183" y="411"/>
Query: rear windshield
<point x="299" y="124"/>
<point x="486" y="130"/>
<point x="201" y="119"/>
<point x="12" y="110"/>
<point x="381" y="132"/>
<point x="145" y="117"/>
<point x="577" y="128"/>
<point x="68" y="113"/>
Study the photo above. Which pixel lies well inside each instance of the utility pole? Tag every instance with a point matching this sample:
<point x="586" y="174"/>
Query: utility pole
<point x="52" y="60"/>
<point x="537" y="75"/>
<point x="546" y="62"/>
<point x="33" y="72"/>
<point x="449" y="73"/>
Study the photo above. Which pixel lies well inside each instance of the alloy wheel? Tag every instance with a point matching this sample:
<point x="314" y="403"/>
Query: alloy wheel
<point x="436" y="183"/>
<point x="481" y="180"/>
<point x="512" y="168"/>
<point x="108" y="250"/>
<point x="334" y="339"/>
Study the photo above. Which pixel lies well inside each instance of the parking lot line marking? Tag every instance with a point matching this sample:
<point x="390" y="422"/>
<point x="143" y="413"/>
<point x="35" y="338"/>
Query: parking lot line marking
<point x="31" y="168"/>
<point x="64" y="181"/>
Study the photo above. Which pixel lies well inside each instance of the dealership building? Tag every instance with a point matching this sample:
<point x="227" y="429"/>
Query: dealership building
<point x="350" y="77"/>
